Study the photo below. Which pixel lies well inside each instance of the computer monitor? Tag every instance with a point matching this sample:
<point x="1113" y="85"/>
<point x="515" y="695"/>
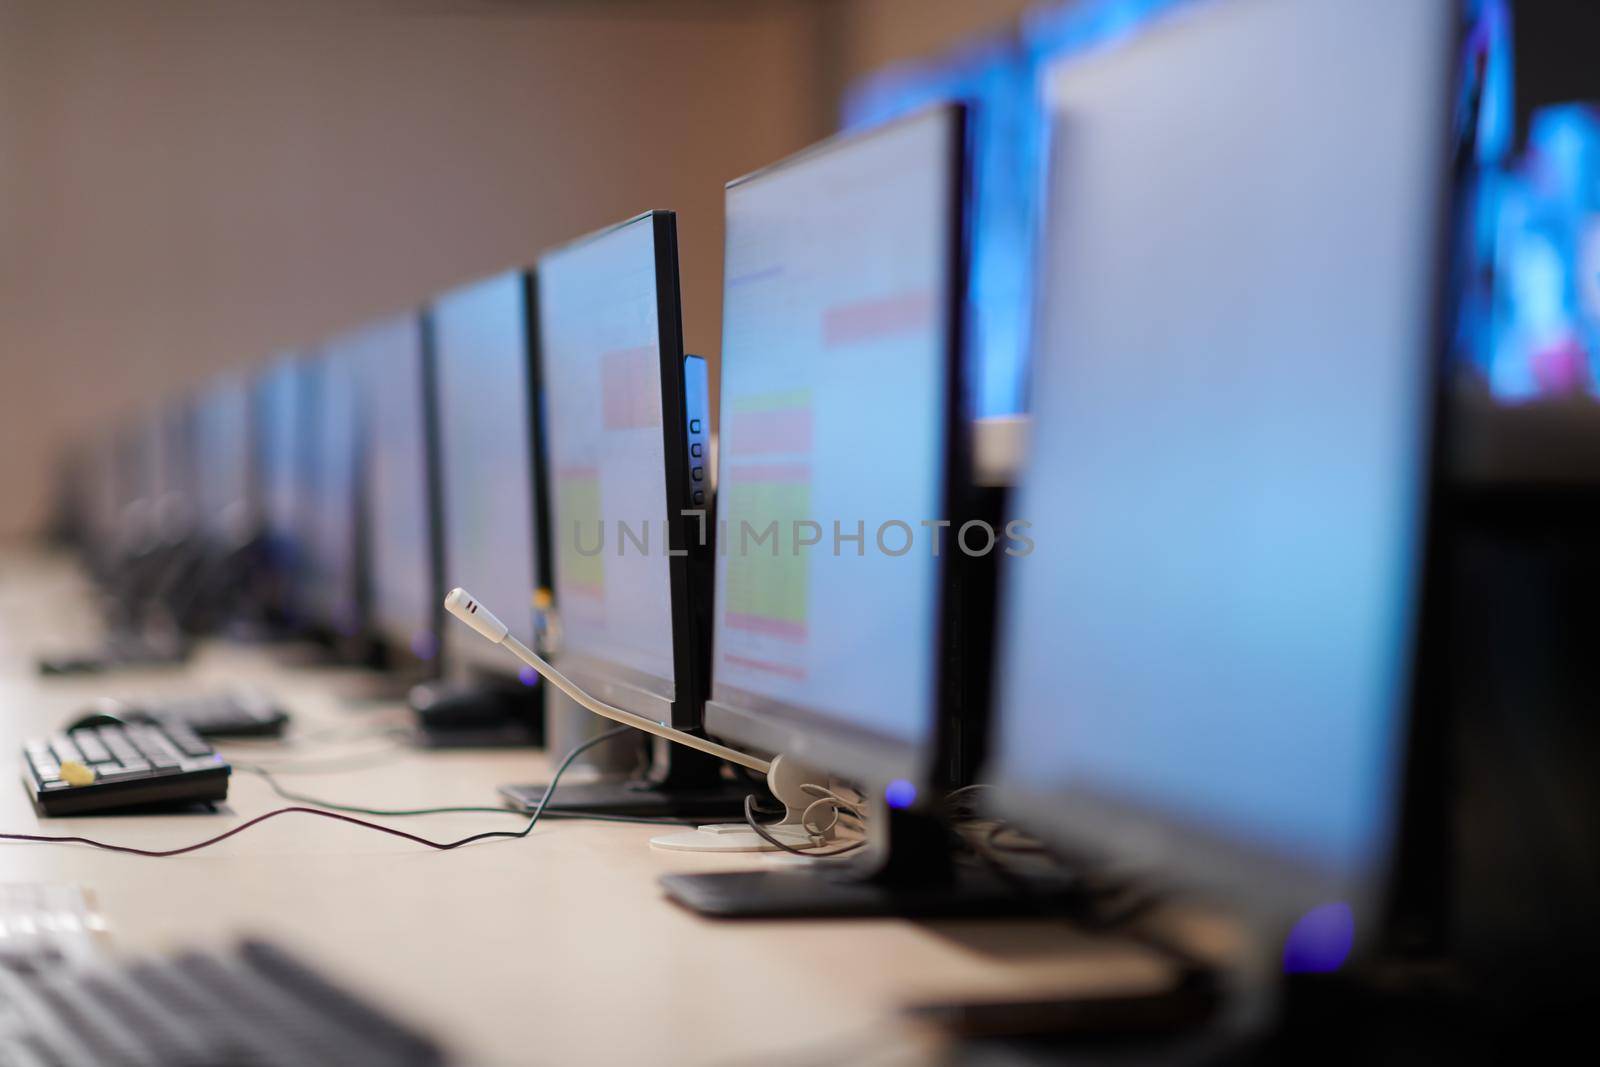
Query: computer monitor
<point x="334" y="592"/>
<point x="1205" y="666"/>
<point x="626" y="434"/>
<point x="401" y="488"/>
<point x="618" y="455"/>
<point x="225" y="508"/>
<point x="485" y="389"/>
<point x="106" y="496"/>
<point x="160" y="440"/>
<point x="286" y="457"/>
<point x="841" y="449"/>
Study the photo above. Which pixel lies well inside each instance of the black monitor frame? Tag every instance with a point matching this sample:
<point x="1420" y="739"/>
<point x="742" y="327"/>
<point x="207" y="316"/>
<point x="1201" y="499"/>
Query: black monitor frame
<point x="812" y="736"/>
<point x="690" y="547"/>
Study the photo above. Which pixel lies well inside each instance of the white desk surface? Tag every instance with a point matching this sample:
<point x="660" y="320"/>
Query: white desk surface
<point x="557" y="949"/>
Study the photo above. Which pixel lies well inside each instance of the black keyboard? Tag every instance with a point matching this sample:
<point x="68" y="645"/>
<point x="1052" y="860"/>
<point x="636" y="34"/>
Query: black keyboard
<point x="256" y="1005"/>
<point x="130" y="767"/>
<point x="123" y="650"/>
<point x="236" y="713"/>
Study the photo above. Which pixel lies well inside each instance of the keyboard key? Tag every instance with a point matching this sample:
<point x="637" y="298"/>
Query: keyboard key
<point x="46" y="768"/>
<point x="154" y="746"/>
<point x="189" y="742"/>
<point x="66" y="750"/>
<point x="93" y="749"/>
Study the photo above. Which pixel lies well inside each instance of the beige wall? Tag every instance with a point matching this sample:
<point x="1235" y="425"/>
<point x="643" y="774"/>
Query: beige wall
<point x="188" y="186"/>
<point x="875" y="33"/>
<point x="187" y="190"/>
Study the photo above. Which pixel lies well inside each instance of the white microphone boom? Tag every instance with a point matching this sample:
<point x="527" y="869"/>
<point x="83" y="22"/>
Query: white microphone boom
<point x="466" y="607"/>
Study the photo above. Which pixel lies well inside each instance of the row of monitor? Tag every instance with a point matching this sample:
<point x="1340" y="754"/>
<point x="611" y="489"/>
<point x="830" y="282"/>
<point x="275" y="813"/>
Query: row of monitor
<point x="1203" y="663"/>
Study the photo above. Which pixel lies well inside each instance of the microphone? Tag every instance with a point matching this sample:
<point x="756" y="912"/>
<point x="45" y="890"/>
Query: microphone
<point x="466" y="607"/>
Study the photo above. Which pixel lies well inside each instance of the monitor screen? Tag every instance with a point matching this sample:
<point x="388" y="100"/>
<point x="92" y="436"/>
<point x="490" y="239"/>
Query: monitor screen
<point x="403" y="591"/>
<point x="838" y="358"/>
<point x="333" y="543"/>
<point x="282" y="407"/>
<point x="601" y="370"/>
<point x="1205" y="658"/>
<point x="485" y="445"/>
<point x="996" y="77"/>
<point x="110" y="492"/>
<point x="171" y="468"/>
<point x="223" y="470"/>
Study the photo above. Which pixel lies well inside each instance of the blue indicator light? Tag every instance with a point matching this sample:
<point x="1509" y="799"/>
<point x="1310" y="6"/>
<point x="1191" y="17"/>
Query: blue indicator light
<point x="1320" y="941"/>
<point x="528" y="676"/>
<point x="900" y="794"/>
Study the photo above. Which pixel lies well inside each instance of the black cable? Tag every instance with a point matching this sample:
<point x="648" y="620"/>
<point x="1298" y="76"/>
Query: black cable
<point x="394" y="813"/>
<point x="333" y="764"/>
<point x="442" y="846"/>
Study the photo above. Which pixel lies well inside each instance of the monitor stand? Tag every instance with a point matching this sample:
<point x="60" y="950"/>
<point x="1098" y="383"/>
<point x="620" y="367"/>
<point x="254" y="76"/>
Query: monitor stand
<point x="909" y="870"/>
<point x="682" y="784"/>
<point x="477" y="715"/>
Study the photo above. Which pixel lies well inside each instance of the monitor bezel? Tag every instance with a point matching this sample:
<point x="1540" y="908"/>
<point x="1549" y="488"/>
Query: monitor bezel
<point x="623" y="686"/>
<point x="809" y="734"/>
<point x="1272" y="887"/>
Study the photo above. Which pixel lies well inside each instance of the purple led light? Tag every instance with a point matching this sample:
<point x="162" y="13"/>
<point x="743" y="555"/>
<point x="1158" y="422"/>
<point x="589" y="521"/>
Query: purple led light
<point x="528" y="676"/>
<point x="1320" y="941"/>
<point x="900" y="794"/>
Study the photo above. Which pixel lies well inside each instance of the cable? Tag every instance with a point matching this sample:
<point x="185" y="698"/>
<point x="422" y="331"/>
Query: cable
<point x="442" y="846"/>
<point x="394" y="813"/>
<point x="333" y="764"/>
<point x="761" y="832"/>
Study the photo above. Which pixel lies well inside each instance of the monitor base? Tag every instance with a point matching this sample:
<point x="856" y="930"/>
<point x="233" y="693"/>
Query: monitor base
<point x="476" y="716"/>
<point x="908" y="868"/>
<point x="731" y="837"/>
<point x="510" y="735"/>
<point x="839" y="891"/>
<point x="639" y="798"/>
<point x="1186" y="1004"/>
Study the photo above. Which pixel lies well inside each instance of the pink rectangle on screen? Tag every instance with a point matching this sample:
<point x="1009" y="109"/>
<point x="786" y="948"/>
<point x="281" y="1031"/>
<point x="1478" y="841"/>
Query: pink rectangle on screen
<point x="755" y="433"/>
<point x="871" y="320"/>
<point x="768" y="627"/>
<point x="769" y="472"/>
<point x="630" y="390"/>
<point x="782" y="669"/>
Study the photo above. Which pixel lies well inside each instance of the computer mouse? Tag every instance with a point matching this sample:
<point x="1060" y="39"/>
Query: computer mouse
<point x="108" y="712"/>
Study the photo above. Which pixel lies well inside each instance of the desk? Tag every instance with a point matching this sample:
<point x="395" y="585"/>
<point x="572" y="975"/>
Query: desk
<point x="559" y="948"/>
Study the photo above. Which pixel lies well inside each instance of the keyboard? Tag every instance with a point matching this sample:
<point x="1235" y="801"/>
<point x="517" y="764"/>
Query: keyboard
<point x="254" y="1005"/>
<point x="118" y="651"/>
<point x="136" y="766"/>
<point x="235" y="713"/>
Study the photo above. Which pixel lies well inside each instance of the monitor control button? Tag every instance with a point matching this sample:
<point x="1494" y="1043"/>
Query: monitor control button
<point x="698" y="474"/>
<point x="694" y="425"/>
<point x="697" y="450"/>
